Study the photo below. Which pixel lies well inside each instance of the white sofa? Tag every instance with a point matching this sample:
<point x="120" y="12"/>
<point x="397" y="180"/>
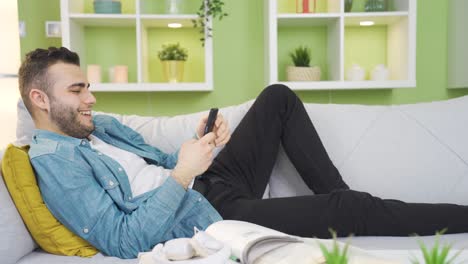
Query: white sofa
<point x="416" y="153"/>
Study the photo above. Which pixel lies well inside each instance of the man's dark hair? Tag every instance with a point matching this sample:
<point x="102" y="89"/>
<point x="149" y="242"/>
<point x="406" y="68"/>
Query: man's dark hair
<point x="33" y="70"/>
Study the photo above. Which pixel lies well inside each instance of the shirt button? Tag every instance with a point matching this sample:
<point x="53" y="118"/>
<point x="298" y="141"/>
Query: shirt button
<point x="83" y="143"/>
<point x="99" y="153"/>
<point x="200" y="199"/>
<point x="111" y="183"/>
<point x="120" y="169"/>
<point x="129" y="198"/>
<point x="86" y="230"/>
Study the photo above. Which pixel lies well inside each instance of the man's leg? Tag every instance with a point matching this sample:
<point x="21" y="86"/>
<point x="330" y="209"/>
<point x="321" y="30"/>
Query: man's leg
<point x="277" y="116"/>
<point x="345" y="211"/>
<point x="241" y="171"/>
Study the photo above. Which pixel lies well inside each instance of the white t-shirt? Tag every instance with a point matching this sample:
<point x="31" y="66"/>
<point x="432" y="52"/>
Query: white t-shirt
<point x="143" y="177"/>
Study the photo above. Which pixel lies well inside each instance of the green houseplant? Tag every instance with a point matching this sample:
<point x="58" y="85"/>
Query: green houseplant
<point x="209" y="9"/>
<point x="438" y="254"/>
<point x="335" y="255"/>
<point x="173" y="57"/>
<point x="301" y="71"/>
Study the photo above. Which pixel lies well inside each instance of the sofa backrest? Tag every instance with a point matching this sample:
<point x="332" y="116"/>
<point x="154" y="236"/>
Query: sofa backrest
<point x="15" y="240"/>
<point x="415" y="152"/>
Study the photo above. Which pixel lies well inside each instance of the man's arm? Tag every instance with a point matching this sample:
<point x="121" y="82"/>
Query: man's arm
<point x="195" y="157"/>
<point x="78" y="201"/>
<point x="192" y="159"/>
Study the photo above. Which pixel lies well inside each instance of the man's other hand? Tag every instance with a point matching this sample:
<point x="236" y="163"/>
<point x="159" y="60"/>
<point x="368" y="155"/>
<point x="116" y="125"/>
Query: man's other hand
<point x="221" y="129"/>
<point x="195" y="156"/>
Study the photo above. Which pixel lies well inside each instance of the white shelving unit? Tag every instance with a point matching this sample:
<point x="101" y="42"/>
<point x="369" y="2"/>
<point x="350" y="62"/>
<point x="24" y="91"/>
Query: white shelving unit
<point x="75" y="22"/>
<point x="399" y="53"/>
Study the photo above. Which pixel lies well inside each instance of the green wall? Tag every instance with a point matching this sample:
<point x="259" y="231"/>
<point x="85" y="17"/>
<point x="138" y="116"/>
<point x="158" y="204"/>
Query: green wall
<point x="239" y="57"/>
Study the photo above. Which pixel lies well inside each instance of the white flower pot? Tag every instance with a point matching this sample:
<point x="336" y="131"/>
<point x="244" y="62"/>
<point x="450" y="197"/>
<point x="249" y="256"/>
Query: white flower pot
<point x="303" y="73"/>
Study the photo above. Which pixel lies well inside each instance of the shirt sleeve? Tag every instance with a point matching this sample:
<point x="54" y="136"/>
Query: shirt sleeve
<point x="79" y="202"/>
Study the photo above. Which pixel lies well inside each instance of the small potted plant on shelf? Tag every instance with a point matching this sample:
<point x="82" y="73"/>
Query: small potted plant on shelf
<point x="209" y="9"/>
<point x="301" y="71"/>
<point x="438" y="254"/>
<point x="173" y="57"/>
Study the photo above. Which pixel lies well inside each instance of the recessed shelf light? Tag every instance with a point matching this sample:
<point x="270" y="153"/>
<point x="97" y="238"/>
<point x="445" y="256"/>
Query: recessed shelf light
<point x="366" y="23"/>
<point x="174" y="25"/>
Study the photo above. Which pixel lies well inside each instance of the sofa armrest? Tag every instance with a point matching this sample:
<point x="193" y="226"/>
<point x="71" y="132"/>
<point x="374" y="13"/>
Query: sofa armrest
<point x="15" y="240"/>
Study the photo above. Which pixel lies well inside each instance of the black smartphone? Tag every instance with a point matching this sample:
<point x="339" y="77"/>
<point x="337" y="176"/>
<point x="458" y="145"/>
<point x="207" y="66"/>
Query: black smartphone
<point x="211" y="120"/>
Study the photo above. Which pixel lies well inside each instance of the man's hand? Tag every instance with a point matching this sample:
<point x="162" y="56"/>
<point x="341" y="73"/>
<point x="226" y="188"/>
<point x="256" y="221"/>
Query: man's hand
<point x="221" y="129"/>
<point x="195" y="156"/>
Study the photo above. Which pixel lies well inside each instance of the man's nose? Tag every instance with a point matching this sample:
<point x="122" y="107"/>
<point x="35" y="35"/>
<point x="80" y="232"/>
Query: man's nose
<point x="90" y="99"/>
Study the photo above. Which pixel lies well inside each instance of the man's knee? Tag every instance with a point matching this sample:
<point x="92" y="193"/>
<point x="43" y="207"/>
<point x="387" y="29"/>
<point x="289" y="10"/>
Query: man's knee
<point x="349" y="199"/>
<point x="278" y="90"/>
<point x="277" y="94"/>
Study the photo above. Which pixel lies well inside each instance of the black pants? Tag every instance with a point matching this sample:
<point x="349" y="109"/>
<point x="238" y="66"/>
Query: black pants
<point x="237" y="179"/>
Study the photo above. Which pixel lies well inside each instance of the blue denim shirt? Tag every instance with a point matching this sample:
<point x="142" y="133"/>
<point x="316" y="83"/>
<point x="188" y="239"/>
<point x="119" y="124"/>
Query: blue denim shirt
<point x="90" y="193"/>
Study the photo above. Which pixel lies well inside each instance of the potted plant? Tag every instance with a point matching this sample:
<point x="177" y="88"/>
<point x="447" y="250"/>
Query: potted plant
<point x="173" y="57"/>
<point x="301" y="71"/>
<point x="335" y="255"/>
<point x="209" y="9"/>
<point x="438" y="254"/>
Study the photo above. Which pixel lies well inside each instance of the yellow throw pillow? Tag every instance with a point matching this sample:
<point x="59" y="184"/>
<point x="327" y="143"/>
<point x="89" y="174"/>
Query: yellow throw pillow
<point x="46" y="230"/>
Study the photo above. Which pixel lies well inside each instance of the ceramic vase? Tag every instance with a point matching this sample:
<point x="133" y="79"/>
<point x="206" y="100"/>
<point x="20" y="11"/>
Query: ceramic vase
<point x="107" y="6"/>
<point x="306" y="6"/>
<point x="356" y="73"/>
<point x="174" y="7"/>
<point x="376" y="6"/>
<point x="173" y="71"/>
<point x="348" y="5"/>
<point x="93" y="73"/>
<point x="380" y="73"/>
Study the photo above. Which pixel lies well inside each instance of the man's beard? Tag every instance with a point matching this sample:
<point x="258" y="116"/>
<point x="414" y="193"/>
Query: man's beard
<point x="67" y="120"/>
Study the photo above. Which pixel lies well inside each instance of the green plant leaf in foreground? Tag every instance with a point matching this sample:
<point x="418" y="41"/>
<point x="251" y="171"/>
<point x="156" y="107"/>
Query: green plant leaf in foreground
<point x="438" y="253"/>
<point x="335" y="256"/>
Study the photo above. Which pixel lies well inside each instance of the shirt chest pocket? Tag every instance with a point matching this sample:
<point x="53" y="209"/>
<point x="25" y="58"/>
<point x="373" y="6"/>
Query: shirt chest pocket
<point x="109" y="183"/>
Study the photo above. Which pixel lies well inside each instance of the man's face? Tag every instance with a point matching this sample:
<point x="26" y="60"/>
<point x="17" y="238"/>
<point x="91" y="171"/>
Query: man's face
<point x="71" y="101"/>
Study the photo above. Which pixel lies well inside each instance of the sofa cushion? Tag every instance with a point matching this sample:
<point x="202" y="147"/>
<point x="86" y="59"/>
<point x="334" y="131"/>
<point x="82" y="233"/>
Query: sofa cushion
<point x="24" y="125"/>
<point x="12" y="229"/>
<point x="48" y="232"/>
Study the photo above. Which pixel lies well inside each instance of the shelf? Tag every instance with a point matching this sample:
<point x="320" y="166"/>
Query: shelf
<point x="161" y="7"/>
<point x="111" y="20"/>
<point x="150" y="87"/>
<point x="319" y="38"/>
<point x="134" y="38"/>
<point x="337" y="41"/>
<point x="298" y="20"/>
<point x="348" y="85"/>
<point x="379" y="18"/>
<point x="322" y="7"/>
<point x="163" y="20"/>
<point x="152" y="40"/>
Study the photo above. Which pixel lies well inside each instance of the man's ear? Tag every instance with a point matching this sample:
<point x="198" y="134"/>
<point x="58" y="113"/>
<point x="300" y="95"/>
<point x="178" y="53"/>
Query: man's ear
<point x="39" y="99"/>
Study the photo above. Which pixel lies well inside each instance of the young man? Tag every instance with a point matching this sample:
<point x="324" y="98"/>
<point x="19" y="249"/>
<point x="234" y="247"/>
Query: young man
<point x="101" y="180"/>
